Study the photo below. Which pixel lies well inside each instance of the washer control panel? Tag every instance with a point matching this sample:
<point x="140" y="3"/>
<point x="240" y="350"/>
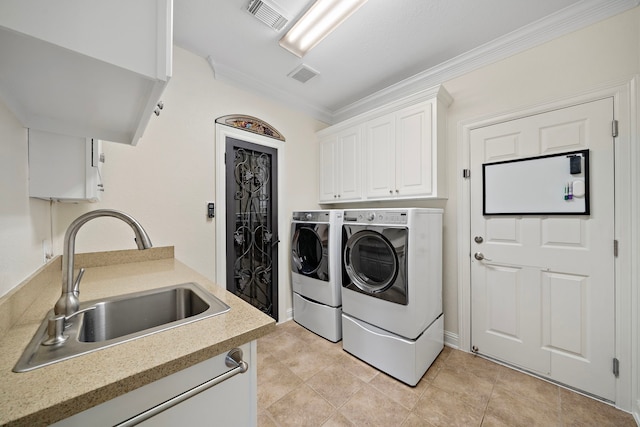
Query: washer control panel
<point x="376" y="217"/>
<point x="311" y="216"/>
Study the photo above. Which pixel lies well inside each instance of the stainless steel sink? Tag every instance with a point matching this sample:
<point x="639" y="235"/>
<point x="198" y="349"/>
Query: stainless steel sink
<point x="122" y="318"/>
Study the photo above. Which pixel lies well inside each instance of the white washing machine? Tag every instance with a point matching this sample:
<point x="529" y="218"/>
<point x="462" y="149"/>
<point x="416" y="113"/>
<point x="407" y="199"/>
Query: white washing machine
<point x="315" y="271"/>
<point x="392" y="289"/>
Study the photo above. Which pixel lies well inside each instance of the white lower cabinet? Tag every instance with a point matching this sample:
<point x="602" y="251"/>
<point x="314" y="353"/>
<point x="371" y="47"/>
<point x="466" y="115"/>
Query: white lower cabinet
<point x="231" y="402"/>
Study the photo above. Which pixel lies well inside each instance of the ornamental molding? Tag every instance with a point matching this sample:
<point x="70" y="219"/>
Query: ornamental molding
<point x="250" y="124"/>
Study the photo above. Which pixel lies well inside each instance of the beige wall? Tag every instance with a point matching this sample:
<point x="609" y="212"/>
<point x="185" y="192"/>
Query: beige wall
<point x="165" y="181"/>
<point x="24" y="222"/>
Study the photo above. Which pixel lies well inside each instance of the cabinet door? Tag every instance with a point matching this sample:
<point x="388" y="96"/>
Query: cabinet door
<point x="414" y="151"/>
<point x="381" y="157"/>
<point x="349" y="161"/>
<point x="232" y="402"/>
<point x="328" y="170"/>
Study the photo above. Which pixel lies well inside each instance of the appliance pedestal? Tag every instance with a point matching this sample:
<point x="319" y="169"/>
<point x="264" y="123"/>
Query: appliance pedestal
<point x="402" y="358"/>
<point x="320" y="319"/>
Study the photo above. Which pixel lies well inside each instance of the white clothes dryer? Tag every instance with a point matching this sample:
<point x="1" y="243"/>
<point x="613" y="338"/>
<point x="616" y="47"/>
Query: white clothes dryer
<point x="315" y="271"/>
<point x="392" y="288"/>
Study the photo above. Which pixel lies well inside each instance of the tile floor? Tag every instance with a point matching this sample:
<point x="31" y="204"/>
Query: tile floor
<point x="305" y="380"/>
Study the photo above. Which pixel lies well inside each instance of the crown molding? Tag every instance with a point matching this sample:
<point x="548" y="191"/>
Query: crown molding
<point x="439" y="92"/>
<point x="565" y="21"/>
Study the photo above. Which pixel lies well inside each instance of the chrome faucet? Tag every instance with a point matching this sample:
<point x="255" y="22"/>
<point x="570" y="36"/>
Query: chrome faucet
<point x="68" y="302"/>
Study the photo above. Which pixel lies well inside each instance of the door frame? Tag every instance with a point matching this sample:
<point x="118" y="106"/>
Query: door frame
<point x="627" y="212"/>
<point x="222" y="132"/>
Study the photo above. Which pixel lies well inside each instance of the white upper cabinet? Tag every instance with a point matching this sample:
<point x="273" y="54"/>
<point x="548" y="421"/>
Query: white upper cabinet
<point x="85" y="68"/>
<point x="328" y="169"/>
<point x="381" y="155"/>
<point x="401" y="156"/>
<point x="340" y="172"/>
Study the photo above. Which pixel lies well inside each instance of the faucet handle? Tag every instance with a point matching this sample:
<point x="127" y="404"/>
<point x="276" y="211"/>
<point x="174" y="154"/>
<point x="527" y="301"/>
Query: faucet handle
<point x="76" y="284"/>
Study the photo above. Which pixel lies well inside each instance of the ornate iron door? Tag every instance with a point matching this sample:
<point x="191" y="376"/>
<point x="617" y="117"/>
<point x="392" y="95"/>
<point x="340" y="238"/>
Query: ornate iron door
<point x="252" y="226"/>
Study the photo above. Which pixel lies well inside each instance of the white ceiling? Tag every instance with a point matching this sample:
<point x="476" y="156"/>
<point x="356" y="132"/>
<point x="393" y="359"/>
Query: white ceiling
<point x="388" y="47"/>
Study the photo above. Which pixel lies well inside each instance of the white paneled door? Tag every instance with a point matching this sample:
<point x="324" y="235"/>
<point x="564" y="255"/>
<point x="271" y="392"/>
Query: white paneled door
<point x="543" y="286"/>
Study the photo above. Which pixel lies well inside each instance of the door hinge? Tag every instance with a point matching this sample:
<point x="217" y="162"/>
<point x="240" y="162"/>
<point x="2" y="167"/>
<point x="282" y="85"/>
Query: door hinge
<point x="614" y="128"/>
<point x="466" y="173"/>
<point x="616" y="367"/>
<point x="615" y="248"/>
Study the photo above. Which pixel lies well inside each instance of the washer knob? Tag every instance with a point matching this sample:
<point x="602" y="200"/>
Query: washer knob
<point x="308" y="216"/>
<point x="371" y="216"/>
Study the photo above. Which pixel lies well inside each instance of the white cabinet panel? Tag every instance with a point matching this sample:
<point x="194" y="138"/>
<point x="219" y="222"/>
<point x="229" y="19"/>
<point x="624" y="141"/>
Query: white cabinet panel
<point x="350" y="159"/>
<point x="401" y="155"/>
<point x="414" y="143"/>
<point x="381" y="157"/>
<point x="232" y="402"/>
<point x="87" y="69"/>
<point x="340" y="166"/>
<point x="328" y="169"/>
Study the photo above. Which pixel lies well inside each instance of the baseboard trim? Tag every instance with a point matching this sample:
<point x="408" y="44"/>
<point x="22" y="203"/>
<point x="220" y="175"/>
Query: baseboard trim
<point x="451" y="340"/>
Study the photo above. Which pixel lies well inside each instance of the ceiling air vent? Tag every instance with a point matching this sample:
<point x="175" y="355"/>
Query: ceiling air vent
<point x="303" y="73"/>
<point x="269" y="13"/>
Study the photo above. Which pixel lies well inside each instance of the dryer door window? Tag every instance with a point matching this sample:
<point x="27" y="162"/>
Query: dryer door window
<point x="374" y="262"/>
<point x="309" y="251"/>
<point x="370" y="261"/>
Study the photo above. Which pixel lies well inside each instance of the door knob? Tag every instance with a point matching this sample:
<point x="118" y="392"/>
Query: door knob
<point x="480" y="256"/>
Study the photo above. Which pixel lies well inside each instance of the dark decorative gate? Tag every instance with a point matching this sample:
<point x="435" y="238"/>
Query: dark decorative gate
<point x="252" y="252"/>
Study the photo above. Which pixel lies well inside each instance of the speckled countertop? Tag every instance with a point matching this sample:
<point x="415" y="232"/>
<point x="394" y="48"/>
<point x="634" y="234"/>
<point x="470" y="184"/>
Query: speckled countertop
<point x="54" y="392"/>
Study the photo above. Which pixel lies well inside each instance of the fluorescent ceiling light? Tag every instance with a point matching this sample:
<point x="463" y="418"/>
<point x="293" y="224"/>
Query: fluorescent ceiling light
<point x="320" y="20"/>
